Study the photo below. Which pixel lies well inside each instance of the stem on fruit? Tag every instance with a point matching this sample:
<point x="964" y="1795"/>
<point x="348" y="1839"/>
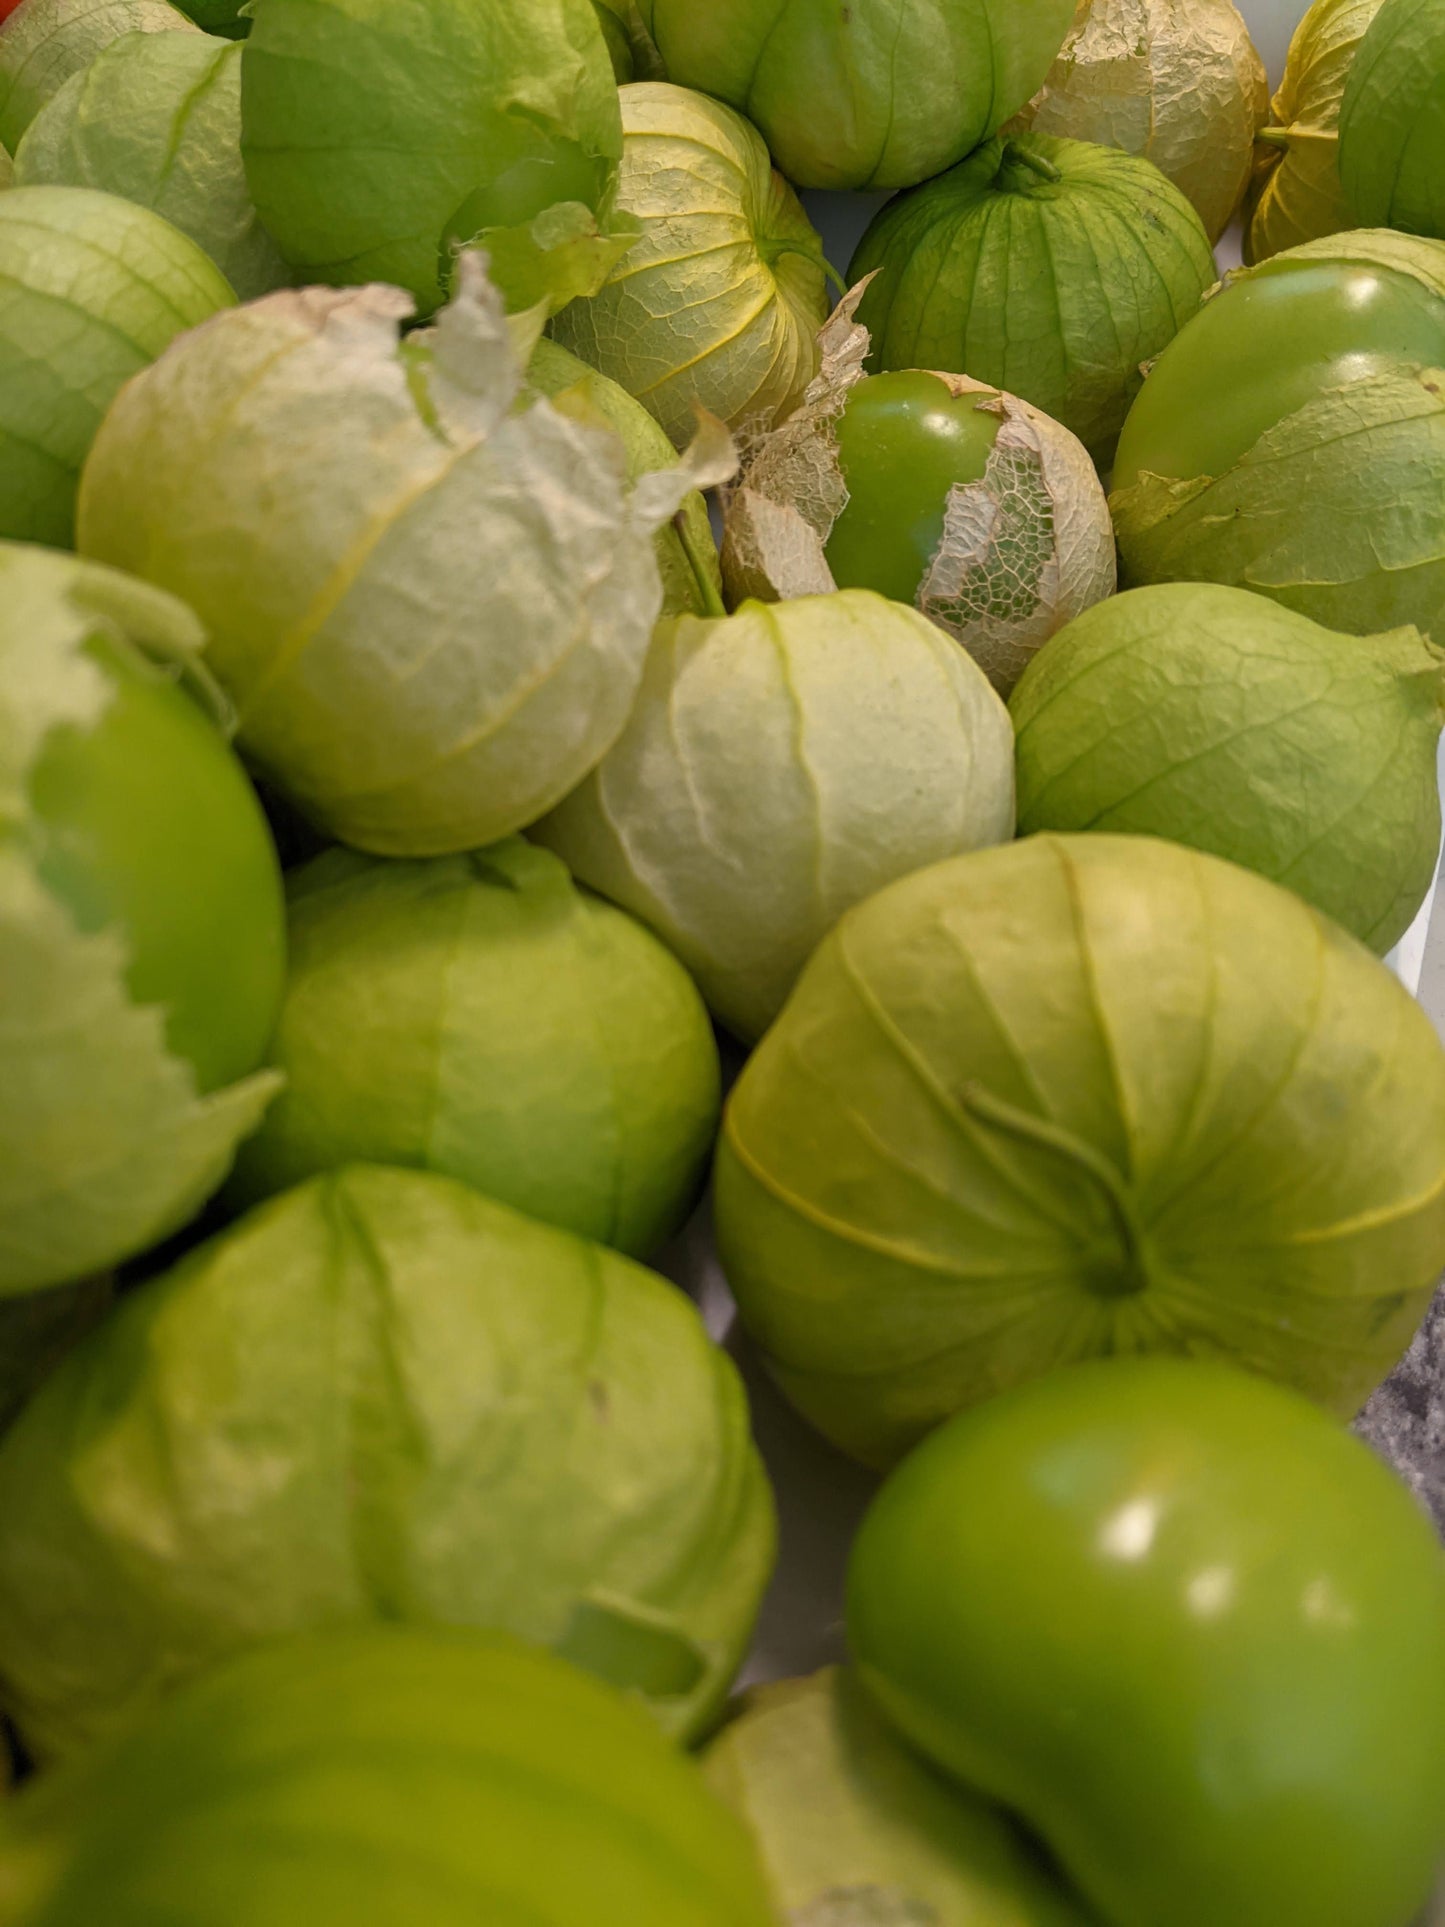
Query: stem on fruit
<point x="711" y="601"/>
<point x="1015" y="154"/>
<point x="1286" y="137"/>
<point x="1133" y="1275"/>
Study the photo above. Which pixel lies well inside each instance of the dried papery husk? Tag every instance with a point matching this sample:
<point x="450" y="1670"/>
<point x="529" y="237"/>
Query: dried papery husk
<point x="1295" y="195"/>
<point x="1177" y="81"/>
<point x="1024" y="549"/>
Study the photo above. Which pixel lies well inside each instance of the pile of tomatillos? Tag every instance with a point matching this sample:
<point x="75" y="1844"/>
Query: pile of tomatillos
<point x="419" y="802"/>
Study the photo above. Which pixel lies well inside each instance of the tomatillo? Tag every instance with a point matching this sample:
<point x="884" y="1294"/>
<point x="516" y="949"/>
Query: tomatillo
<point x="1291" y="439"/>
<point x="903" y="442"/>
<point x="1183" y="1625"/>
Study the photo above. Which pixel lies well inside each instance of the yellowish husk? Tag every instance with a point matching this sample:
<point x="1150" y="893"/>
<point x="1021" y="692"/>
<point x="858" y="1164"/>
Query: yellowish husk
<point x="1296" y="195"/>
<point x="1177" y="81"/>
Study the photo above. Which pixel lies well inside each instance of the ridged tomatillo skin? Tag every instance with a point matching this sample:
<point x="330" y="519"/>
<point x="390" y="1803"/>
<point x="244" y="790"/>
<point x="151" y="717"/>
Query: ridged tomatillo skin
<point x="1187" y="1628"/>
<point x="1080" y="1095"/>
<point x="1221" y="720"/>
<point x="854" y="1829"/>
<point x="1392" y="120"/>
<point x="1296" y="194"/>
<point x="1054" y="285"/>
<point x="1315" y="474"/>
<point x="46" y="41"/>
<point x="719" y="300"/>
<point x="382" y="1397"/>
<point x="869" y="95"/>
<point x="482" y="1017"/>
<point x="376" y="132"/>
<point x="156" y="118"/>
<point x="430" y="1779"/>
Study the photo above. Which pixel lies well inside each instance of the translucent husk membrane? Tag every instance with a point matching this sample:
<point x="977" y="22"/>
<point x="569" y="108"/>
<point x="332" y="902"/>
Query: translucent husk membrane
<point x="1023" y="550"/>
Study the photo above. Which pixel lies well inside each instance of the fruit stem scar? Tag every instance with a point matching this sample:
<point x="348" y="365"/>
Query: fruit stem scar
<point x="1015" y="154"/>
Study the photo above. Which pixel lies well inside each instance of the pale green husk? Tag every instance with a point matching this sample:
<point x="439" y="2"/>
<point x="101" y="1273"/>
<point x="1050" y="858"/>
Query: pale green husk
<point x="854" y="1830"/>
<point x="720" y="299"/>
<point x="1055" y="290"/>
<point x="1077" y="1096"/>
<point x="1177" y="81"/>
<point x="874" y="94"/>
<point x="429" y="608"/>
<point x="93" y="290"/>
<point x="779" y="766"/>
<point x="156" y="118"/>
<point x="381" y="1397"/>
<point x="1220" y="720"/>
<point x="1338" y="510"/>
<point x="375" y="132"/>
<point x="681" y="551"/>
<point x="1392" y="120"/>
<point x="481" y="1017"/>
<point x="1296" y="194"/>
<point x="105" y="1146"/>
<point x="1023" y="550"/>
<point x="421" y="1777"/>
<point x="44" y="42"/>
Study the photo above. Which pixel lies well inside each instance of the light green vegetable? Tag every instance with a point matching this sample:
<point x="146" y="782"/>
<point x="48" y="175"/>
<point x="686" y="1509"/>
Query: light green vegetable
<point x="854" y="1830"/>
<point x="611" y="19"/>
<point x="1050" y="269"/>
<point x="156" y="118"/>
<point x="873" y="94"/>
<point x="479" y="1016"/>
<point x="141" y="977"/>
<point x="1218" y="719"/>
<point x="381" y="1397"/>
<point x="1081" y="1095"/>
<point x="421" y="1779"/>
<point x="228" y="17"/>
<point x="720" y="300"/>
<point x="92" y="289"/>
<point x="380" y="135"/>
<point x="1177" y="81"/>
<point x="1392" y="120"/>
<point x="1296" y="194"/>
<point x="44" y="42"/>
<point x="430" y="608"/>
<point x="681" y="550"/>
<point x="779" y="766"/>
<point x="7" y="170"/>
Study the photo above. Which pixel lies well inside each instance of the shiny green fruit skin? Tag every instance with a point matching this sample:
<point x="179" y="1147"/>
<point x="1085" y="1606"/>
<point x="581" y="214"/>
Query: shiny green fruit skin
<point x="903" y="443"/>
<point x="1186" y="1627"/>
<point x="149" y="823"/>
<point x="1265" y="347"/>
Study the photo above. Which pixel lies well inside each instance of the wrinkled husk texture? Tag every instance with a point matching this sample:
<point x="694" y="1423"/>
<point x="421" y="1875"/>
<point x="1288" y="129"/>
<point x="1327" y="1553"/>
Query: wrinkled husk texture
<point x="381" y="1397"/>
<point x="46" y="41"/>
<point x="1339" y="509"/>
<point x="1178" y="81"/>
<point x="1024" y="549"/>
<point x="1296" y="194"/>
<point x="1392" y="120"/>
<point x="720" y="299"/>
<point x="105" y="1145"/>
<point x="429" y="608"/>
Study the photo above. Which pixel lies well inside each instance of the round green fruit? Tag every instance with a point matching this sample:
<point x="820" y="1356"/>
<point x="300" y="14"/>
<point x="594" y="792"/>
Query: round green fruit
<point x="45" y="42"/>
<point x="869" y="95"/>
<point x="142" y="936"/>
<point x="481" y="1017"/>
<point x="1218" y="719"/>
<point x="383" y="1775"/>
<point x="1051" y="269"/>
<point x="381" y="1397"/>
<point x="1081" y="1095"/>
<point x="1392" y="120"/>
<point x="1186" y="1629"/>
<point x="1291" y="440"/>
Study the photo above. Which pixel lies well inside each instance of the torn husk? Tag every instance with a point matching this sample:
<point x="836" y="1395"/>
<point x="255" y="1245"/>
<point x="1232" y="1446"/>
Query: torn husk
<point x="1024" y="549"/>
<point x="1177" y="81"/>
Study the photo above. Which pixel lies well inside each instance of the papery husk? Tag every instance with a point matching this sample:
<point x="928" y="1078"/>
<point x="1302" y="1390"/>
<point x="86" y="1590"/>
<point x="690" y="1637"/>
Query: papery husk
<point x="1392" y="128"/>
<point x="1295" y="194"/>
<point x="1023" y="551"/>
<point x="46" y="41"/>
<point x="1338" y="510"/>
<point x="1177" y="81"/>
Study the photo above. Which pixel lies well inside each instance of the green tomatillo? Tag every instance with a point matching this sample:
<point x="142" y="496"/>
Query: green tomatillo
<point x="1392" y="120"/>
<point x="1291" y="439"/>
<point x="1185" y="1627"/>
<point x="45" y="42"/>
